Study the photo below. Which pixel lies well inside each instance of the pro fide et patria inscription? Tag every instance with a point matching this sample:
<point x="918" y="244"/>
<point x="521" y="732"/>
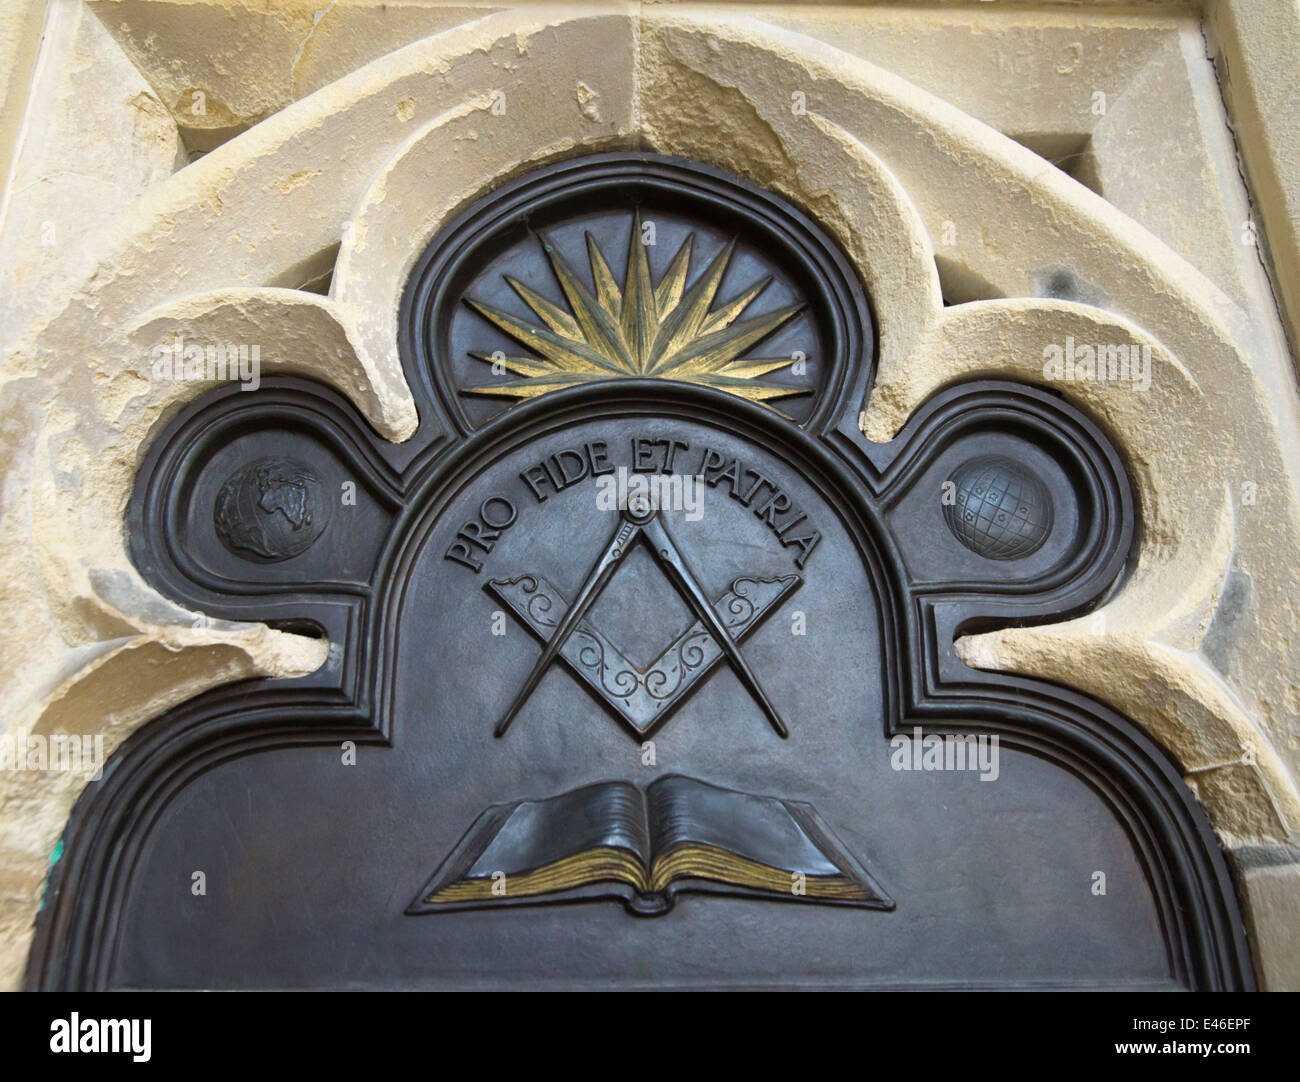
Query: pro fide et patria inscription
<point x="648" y="456"/>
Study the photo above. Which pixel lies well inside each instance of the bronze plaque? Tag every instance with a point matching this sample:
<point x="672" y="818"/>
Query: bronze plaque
<point x="641" y="663"/>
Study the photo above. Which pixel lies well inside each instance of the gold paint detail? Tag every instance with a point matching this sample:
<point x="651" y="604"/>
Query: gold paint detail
<point x="638" y="329"/>
<point x="684" y="861"/>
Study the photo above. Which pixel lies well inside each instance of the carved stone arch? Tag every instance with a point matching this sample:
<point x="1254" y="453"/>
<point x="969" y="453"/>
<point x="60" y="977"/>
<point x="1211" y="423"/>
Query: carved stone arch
<point x="843" y="165"/>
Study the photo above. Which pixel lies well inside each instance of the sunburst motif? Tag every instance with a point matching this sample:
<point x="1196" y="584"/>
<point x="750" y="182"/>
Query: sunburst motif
<point x="639" y="330"/>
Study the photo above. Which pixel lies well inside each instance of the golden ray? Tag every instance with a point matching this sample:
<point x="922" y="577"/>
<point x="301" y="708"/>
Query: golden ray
<point x="552" y="315"/>
<point x="528" y="388"/>
<point x="639" y="318"/>
<point x="669" y="290"/>
<point x="752" y="367"/>
<point x="566" y="354"/>
<point x="729" y="311"/>
<point x="637" y="328"/>
<point x="607" y="291"/>
<point x="599" y="330"/>
<point x="711" y="352"/>
<point x="743" y="388"/>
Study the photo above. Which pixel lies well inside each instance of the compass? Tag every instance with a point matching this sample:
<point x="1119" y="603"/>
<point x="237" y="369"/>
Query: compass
<point x="639" y="522"/>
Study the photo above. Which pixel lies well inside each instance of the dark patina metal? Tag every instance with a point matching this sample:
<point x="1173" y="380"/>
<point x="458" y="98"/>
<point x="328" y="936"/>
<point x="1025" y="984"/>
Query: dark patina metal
<point x="516" y="624"/>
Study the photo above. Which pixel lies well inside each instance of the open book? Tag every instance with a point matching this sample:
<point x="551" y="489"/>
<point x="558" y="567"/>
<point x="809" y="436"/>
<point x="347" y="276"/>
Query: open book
<point x="616" y="840"/>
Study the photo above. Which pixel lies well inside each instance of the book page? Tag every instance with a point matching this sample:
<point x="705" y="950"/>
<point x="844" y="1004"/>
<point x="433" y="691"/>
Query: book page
<point x="683" y="810"/>
<point x="540" y="832"/>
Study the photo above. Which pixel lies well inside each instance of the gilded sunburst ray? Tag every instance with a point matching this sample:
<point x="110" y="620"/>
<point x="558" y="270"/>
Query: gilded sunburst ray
<point x="639" y="329"/>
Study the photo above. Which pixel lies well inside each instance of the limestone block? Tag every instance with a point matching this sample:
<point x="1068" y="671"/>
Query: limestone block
<point x="1273" y="916"/>
<point x="95" y="139"/>
<point x="21" y="22"/>
<point x="293" y="333"/>
<point x="220" y="68"/>
<point x="1257" y="48"/>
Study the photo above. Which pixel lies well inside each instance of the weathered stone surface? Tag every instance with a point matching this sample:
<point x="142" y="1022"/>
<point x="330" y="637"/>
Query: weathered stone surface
<point x="1093" y="94"/>
<point x="21" y="23"/>
<point x="1273" y="918"/>
<point x="1256" y="44"/>
<point x="85" y="85"/>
